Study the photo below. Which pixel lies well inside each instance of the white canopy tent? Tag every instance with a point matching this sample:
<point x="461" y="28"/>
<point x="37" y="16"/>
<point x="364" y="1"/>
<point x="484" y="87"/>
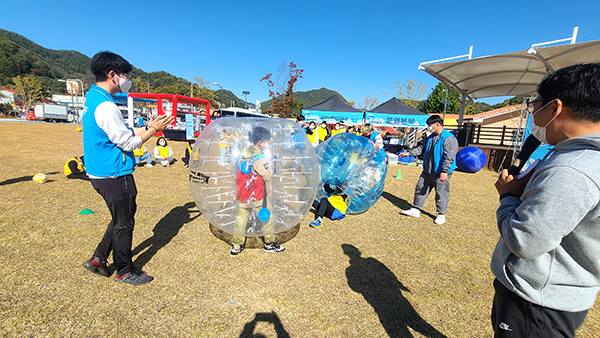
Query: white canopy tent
<point x="517" y="73"/>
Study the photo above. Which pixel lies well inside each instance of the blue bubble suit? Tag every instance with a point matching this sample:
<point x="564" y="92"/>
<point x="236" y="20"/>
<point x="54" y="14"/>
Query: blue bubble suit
<point x="253" y="176"/>
<point x="352" y="163"/>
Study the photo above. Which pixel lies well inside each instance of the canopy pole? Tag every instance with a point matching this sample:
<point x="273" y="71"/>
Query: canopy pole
<point x="463" y="101"/>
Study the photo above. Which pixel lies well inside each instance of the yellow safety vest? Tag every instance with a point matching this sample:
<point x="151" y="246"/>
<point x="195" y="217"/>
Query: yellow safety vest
<point x="68" y="170"/>
<point x="335" y="132"/>
<point x="322" y="133"/>
<point x="312" y="138"/>
<point x="163" y="151"/>
<point x="338" y="202"/>
<point x="138" y="153"/>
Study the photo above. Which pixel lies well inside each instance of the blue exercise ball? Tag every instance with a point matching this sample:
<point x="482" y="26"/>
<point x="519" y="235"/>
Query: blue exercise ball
<point x="470" y="159"/>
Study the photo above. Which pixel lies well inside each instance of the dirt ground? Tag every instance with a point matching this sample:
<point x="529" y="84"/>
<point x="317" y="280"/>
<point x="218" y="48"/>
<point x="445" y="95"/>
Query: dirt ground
<point x="377" y="274"/>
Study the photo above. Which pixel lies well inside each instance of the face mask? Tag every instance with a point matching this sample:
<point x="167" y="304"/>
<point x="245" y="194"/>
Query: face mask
<point x="124" y="84"/>
<point x="537" y="131"/>
<point x="312" y="127"/>
<point x="323" y="126"/>
<point x="430" y="129"/>
<point x="337" y="127"/>
<point x="161" y="143"/>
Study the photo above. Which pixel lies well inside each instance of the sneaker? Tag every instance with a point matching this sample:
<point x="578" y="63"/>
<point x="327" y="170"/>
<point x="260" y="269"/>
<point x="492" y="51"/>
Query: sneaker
<point x="235" y="251"/>
<point x="134" y="277"/>
<point x="101" y="270"/>
<point x="273" y="247"/>
<point x="440" y="219"/>
<point x="164" y="163"/>
<point x="149" y="165"/>
<point x="414" y="212"/>
<point x="316" y="223"/>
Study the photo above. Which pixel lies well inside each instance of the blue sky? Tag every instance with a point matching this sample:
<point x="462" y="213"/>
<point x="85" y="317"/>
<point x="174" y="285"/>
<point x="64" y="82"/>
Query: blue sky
<point x="357" y="48"/>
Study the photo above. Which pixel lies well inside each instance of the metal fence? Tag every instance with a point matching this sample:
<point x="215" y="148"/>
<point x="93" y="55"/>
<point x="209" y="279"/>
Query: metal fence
<point x="493" y="136"/>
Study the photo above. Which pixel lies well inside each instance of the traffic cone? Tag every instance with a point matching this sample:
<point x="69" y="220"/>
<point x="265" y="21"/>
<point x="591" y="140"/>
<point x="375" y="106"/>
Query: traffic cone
<point x="399" y="174"/>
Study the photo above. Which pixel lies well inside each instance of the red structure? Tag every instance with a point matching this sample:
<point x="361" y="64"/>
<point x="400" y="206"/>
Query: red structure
<point x="174" y="100"/>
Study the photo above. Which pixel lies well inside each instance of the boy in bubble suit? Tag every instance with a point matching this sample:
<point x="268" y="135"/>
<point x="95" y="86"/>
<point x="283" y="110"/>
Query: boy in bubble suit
<point x="253" y="173"/>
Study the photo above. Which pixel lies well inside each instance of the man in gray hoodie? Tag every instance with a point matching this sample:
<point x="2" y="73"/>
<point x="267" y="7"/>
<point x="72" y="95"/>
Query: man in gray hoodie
<point x="547" y="261"/>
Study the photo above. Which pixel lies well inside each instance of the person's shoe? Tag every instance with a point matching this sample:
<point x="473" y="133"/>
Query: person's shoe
<point x="273" y="247"/>
<point x="149" y="165"/>
<point x="134" y="277"/>
<point x="235" y="251"/>
<point x="440" y="219"/>
<point x="413" y="212"/>
<point x="316" y="223"/>
<point x="164" y="163"/>
<point x="101" y="270"/>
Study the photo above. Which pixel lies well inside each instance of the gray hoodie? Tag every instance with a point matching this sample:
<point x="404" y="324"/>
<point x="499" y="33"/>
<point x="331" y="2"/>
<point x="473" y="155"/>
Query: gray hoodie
<point x="549" y="249"/>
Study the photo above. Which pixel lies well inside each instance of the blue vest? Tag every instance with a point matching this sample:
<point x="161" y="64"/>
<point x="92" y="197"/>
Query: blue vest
<point x="373" y="137"/>
<point x="102" y="157"/>
<point x="438" y="152"/>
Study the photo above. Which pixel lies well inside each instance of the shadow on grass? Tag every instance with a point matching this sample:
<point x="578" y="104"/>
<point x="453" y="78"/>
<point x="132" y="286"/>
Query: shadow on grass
<point x="380" y="288"/>
<point x="403" y="204"/>
<point x="24" y="178"/>
<point x="267" y="317"/>
<point x="164" y="231"/>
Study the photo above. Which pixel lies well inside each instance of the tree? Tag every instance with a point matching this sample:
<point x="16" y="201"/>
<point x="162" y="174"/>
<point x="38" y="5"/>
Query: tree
<point x="411" y="93"/>
<point x="287" y="105"/>
<point x="202" y="90"/>
<point x="369" y="103"/>
<point x="435" y="101"/>
<point x="29" y="90"/>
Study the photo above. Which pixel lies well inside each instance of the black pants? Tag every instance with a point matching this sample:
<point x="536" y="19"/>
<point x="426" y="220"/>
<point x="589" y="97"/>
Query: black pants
<point x="119" y="194"/>
<point x="324" y="208"/>
<point x="512" y="316"/>
<point x="80" y="176"/>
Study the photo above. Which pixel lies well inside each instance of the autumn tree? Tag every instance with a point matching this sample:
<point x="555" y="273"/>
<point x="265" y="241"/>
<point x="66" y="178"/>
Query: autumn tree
<point x="369" y="103"/>
<point x="411" y="93"/>
<point x="284" y="103"/>
<point x="201" y="89"/>
<point x="29" y="89"/>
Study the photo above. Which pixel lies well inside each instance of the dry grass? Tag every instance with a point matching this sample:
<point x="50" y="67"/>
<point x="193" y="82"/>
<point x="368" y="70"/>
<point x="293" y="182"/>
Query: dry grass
<point x="414" y="278"/>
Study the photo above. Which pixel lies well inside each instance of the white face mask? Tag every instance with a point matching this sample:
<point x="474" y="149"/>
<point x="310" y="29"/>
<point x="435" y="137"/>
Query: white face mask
<point x="161" y="143"/>
<point x="430" y="129"/>
<point x="312" y="127"/>
<point x="124" y="84"/>
<point x="537" y="131"/>
<point x="337" y="127"/>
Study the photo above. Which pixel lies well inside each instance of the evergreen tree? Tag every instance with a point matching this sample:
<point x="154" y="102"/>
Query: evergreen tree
<point x="435" y="101"/>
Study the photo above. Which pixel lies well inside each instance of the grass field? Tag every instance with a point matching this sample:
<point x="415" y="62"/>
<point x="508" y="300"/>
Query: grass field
<point x="377" y="274"/>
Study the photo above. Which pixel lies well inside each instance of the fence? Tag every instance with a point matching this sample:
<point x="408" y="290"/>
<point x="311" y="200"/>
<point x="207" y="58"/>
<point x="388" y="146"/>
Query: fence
<point x="493" y="136"/>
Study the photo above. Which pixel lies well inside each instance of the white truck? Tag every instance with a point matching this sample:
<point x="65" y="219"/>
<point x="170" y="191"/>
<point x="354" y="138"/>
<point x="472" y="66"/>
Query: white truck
<point x="53" y="113"/>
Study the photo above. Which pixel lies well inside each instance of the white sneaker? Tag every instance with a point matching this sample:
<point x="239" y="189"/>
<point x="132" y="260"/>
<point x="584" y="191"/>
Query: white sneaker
<point x="441" y="219"/>
<point x="149" y="165"/>
<point x="414" y="212"/>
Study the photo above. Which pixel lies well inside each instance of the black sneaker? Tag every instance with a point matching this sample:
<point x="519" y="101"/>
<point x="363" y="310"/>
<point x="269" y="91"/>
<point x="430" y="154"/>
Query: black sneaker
<point x="99" y="270"/>
<point x="235" y="251"/>
<point x="273" y="247"/>
<point x="134" y="277"/>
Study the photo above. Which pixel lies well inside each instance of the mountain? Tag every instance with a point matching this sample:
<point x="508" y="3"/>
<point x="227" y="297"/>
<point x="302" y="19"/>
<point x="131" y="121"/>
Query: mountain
<point x="21" y="56"/>
<point x="309" y="98"/>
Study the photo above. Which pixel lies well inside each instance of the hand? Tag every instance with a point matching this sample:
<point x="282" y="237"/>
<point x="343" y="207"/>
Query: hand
<point x="161" y="122"/>
<point x="443" y="177"/>
<point x="404" y="154"/>
<point x="508" y="183"/>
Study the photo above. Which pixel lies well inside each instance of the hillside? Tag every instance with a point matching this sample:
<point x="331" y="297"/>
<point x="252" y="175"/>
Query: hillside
<point x="309" y="98"/>
<point x="21" y="56"/>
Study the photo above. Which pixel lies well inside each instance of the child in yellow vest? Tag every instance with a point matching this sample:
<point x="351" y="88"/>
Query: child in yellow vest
<point x="188" y="153"/>
<point x="74" y="168"/>
<point x="142" y="154"/>
<point x="311" y="132"/>
<point x="333" y="206"/>
<point x="163" y="154"/>
<point x="338" y="129"/>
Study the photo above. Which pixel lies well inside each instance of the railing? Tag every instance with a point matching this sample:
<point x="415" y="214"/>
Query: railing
<point x="498" y="136"/>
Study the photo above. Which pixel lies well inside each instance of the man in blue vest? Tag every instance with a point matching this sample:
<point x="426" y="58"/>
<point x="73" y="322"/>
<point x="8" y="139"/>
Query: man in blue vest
<point x="439" y="153"/>
<point x="108" y="146"/>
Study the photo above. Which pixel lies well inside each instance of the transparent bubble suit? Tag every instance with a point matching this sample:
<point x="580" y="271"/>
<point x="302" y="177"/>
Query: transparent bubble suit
<point x="218" y="161"/>
<point x="352" y="163"/>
